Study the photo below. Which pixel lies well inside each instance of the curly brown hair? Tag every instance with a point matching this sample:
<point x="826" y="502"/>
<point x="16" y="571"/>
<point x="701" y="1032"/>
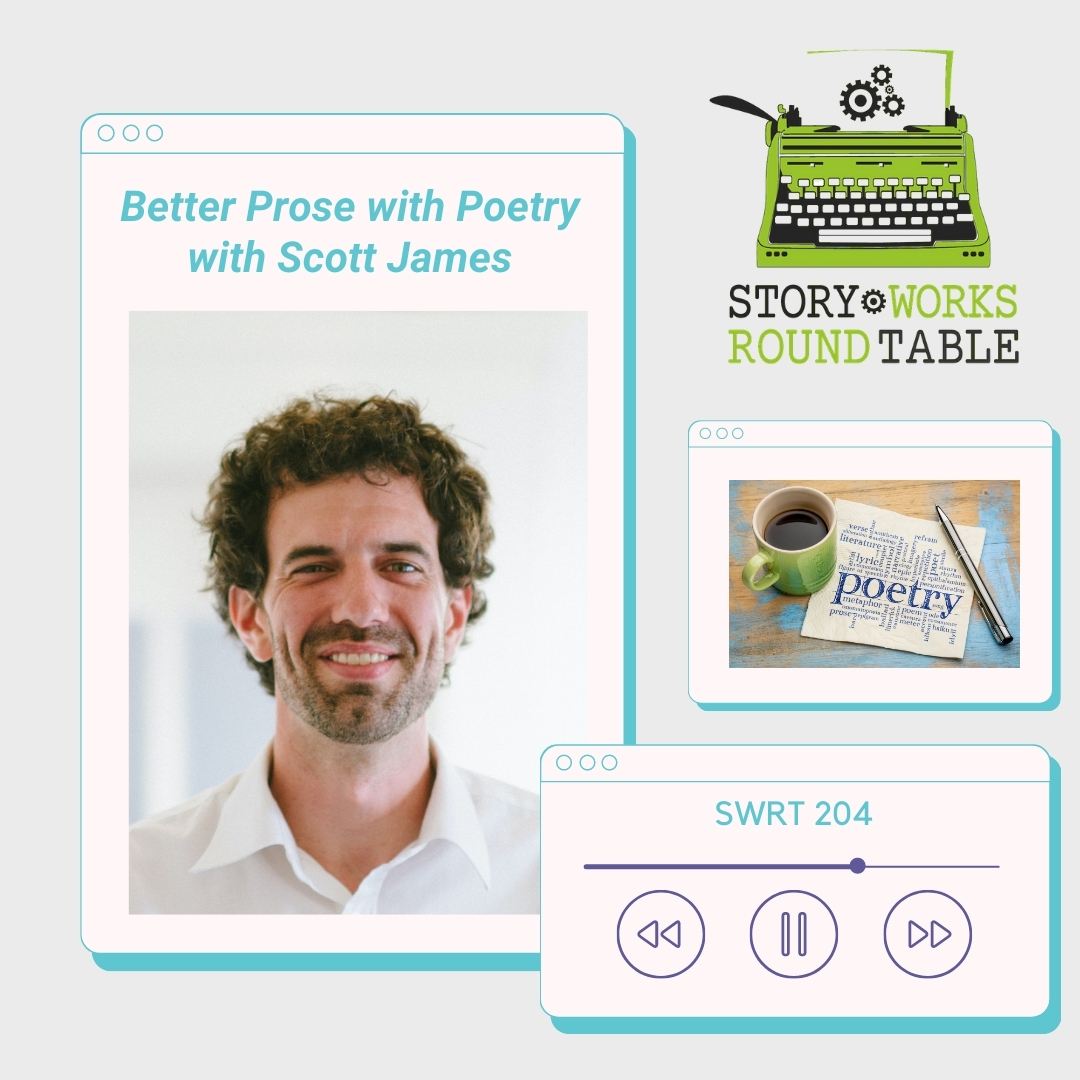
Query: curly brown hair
<point x="320" y="438"/>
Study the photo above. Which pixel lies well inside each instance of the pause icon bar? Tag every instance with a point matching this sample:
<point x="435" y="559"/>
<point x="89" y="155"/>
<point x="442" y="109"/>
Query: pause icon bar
<point x="785" y="934"/>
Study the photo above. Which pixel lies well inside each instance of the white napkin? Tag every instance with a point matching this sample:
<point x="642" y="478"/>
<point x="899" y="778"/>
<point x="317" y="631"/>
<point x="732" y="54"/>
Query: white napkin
<point x="897" y="584"/>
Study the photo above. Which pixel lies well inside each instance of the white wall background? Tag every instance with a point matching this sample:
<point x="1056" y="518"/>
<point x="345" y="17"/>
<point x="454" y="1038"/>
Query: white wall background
<point x="510" y="386"/>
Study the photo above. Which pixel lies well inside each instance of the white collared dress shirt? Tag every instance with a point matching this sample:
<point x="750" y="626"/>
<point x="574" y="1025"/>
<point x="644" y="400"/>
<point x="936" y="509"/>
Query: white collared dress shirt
<point x="229" y="850"/>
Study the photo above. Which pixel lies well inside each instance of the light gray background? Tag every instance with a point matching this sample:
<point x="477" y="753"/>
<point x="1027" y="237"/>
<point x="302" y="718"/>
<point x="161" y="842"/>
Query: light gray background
<point x="700" y="191"/>
<point x="510" y="386"/>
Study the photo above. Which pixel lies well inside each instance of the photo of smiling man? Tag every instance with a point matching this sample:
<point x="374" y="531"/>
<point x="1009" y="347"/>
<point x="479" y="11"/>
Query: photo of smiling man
<point x="348" y="544"/>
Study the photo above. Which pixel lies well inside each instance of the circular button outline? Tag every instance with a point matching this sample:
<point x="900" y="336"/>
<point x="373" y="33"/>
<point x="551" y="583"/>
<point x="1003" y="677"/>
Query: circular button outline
<point x="560" y="759"/>
<point x="667" y="892"/>
<point x="158" y="129"/>
<point x="605" y="759"/>
<point x="719" y="435"/>
<point x="705" y="433"/>
<point x="737" y="433"/>
<point x="789" y="892"/>
<point x="110" y="129"/>
<point x="923" y="892"/>
<point x="590" y="759"/>
<point x="130" y="127"/>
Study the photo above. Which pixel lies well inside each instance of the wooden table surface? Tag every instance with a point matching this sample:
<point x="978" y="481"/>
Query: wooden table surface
<point x="765" y="627"/>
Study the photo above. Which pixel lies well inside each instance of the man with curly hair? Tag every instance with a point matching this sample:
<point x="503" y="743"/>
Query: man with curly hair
<point x="347" y="543"/>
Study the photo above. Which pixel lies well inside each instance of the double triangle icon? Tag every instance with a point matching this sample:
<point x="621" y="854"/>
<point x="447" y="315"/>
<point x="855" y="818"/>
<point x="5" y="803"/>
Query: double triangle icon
<point x="651" y="934"/>
<point x="937" y="934"/>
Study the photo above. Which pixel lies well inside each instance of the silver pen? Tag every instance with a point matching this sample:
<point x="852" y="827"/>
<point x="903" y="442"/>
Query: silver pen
<point x="982" y="593"/>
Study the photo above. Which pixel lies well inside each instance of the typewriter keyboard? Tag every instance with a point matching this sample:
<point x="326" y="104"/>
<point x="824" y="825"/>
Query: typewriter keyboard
<point x="882" y="211"/>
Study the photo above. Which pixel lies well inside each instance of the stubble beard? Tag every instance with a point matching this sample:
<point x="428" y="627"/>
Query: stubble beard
<point x="360" y="713"/>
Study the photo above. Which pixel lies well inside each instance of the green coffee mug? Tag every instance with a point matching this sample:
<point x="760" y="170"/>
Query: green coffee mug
<point x="797" y="573"/>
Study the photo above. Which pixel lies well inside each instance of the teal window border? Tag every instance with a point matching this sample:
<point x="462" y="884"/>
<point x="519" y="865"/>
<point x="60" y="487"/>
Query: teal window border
<point x="1041" y="1024"/>
<point x="408" y="961"/>
<point x="1048" y="705"/>
<point x="301" y="961"/>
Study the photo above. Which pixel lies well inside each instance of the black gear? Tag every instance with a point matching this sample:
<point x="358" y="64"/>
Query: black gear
<point x="860" y="100"/>
<point x="873" y="301"/>
<point x="882" y="74"/>
<point x="890" y="89"/>
<point x="893" y="105"/>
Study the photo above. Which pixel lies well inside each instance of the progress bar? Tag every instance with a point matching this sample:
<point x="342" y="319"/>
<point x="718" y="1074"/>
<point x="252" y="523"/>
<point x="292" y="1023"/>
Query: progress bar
<point x="856" y="866"/>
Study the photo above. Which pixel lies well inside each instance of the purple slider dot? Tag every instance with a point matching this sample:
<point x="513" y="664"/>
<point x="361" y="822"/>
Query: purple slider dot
<point x="857" y="866"/>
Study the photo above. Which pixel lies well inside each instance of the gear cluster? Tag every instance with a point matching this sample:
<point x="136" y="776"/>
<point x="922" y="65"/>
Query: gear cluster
<point x="864" y="98"/>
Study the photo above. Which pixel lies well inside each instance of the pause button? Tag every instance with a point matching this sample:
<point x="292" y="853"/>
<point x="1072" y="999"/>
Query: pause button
<point x="793" y="934"/>
<point x="785" y="934"/>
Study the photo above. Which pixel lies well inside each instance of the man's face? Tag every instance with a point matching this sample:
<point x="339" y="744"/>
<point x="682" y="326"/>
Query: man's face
<point x="356" y="614"/>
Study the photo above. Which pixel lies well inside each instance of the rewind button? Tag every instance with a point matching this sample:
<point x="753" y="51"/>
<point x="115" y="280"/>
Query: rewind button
<point x="661" y="934"/>
<point x="652" y="934"/>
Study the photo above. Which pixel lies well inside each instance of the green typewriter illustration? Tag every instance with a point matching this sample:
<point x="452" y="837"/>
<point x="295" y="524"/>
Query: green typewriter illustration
<point x="847" y="196"/>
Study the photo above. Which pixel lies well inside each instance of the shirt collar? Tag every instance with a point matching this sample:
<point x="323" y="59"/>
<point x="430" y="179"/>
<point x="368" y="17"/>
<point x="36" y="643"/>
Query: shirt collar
<point x="251" y="820"/>
<point x="451" y="815"/>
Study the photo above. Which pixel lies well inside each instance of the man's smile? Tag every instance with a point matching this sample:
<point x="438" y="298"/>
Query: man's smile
<point x="365" y="660"/>
<point x="358" y="658"/>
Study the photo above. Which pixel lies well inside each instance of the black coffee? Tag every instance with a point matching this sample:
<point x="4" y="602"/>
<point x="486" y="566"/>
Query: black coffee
<point x="794" y="530"/>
